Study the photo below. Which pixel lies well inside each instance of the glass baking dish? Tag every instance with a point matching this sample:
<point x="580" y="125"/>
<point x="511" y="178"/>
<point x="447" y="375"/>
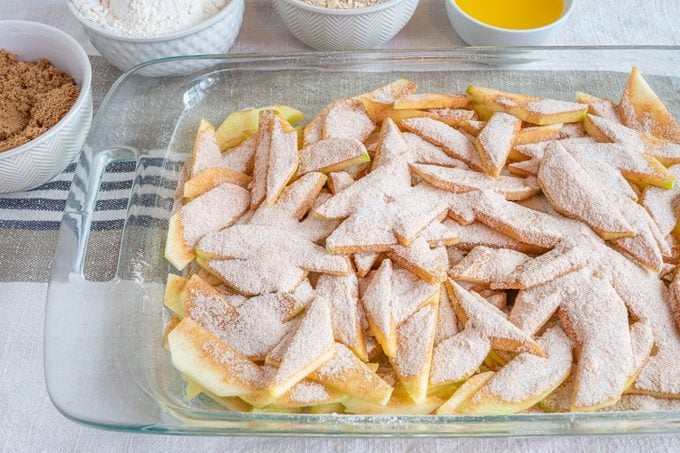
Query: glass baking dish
<point x="104" y="362"/>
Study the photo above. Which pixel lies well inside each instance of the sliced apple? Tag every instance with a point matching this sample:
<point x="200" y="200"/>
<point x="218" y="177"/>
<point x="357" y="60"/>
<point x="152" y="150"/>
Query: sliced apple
<point x="206" y="152"/>
<point x="332" y="155"/>
<point x="642" y="110"/>
<point x="211" y="178"/>
<point x="379" y="102"/>
<point x="464" y="392"/>
<point x="495" y="141"/>
<point x="172" y="297"/>
<point x="212" y="364"/>
<point x="242" y="124"/>
<point x="422" y="101"/>
<point x="531" y="109"/>
<point x="537" y="134"/>
<point x="599" y="107"/>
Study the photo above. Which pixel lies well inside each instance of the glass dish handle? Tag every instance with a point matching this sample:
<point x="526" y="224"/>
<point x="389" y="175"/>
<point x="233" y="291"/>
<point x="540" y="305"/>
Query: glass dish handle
<point x="69" y="255"/>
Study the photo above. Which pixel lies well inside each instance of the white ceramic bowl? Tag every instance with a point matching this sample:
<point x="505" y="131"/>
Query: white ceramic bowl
<point x="212" y="36"/>
<point x="345" y="29"/>
<point x="47" y="155"/>
<point x="477" y="33"/>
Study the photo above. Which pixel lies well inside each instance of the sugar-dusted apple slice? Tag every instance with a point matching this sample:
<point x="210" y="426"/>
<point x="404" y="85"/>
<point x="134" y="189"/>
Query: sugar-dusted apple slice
<point x="452" y="117"/>
<point x="453" y="142"/>
<point x="310" y="347"/>
<point x="410" y="294"/>
<point x="240" y="125"/>
<point x="399" y="404"/>
<point x="379" y="102"/>
<point x="415" y="339"/>
<point x="331" y="155"/>
<point x="495" y="141"/>
<point x="283" y="158"/>
<point x="599" y="107"/>
<point x="573" y="194"/>
<point x="659" y="203"/>
<point x="431" y="101"/>
<point x="531" y="109"/>
<point x="525" y="380"/>
<point x="364" y="262"/>
<point x="391" y="146"/>
<point x="488" y="266"/>
<point x="347" y="118"/>
<point x="241" y="158"/>
<point x="343" y="294"/>
<point x="426" y="262"/>
<point x="637" y="168"/>
<point x="172" y="295"/>
<point x="377" y="301"/>
<point x="377" y="226"/>
<point x="458" y="181"/>
<point x="458" y="357"/>
<point x="211" y="363"/>
<point x="472" y="127"/>
<point x="385" y="182"/>
<point x="642" y="110"/>
<point x="307" y="393"/>
<point x="206" y="152"/>
<point x="537" y="150"/>
<point x="256" y="259"/>
<point x="537" y="134"/>
<point x="212" y="177"/>
<point x="584" y="302"/>
<point x="447" y="323"/>
<point x="345" y="373"/>
<point x="603" y="130"/>
<point x="476" y="233"/>
<point x="464" y="392"/>
<point x="339" y="180"/>
<point x="424" y="152"/>
<point x="565" y="258"/>
<point x="675" y="300"/>
<point x="525" y="169"/>
<point x="212" y="211"/>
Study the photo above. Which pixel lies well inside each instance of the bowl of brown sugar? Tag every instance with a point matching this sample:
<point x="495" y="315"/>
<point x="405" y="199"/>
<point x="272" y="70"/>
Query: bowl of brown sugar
<point x="45" y="103"/>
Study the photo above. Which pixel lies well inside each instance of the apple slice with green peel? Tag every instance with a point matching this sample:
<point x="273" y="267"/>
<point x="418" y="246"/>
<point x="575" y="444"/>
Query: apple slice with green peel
<point x="212" y="364"/>
<point x="346" y="374"/>
<point x="212" y="177"/>
<point x="172" y="297"/>
<point x="464" y="392"/>
<point x="599" y="107"/>
<point x="496" y="140"/>
<point x="240" y="125"/>
<point x="379" y="102"/>
<point x="420" y="101"/>
<point x="537" y="134"/>
<point x="525" y="380"/>
<point x="311" y="346"/>
<point x="206" y="152"/>
<point x="531" y="109"/>
<point x="212" y="211"/>
<point x="332" y="155"/>
<point x="413" y="358"/>
<point x="641" y="109"/>
<point x="399" y="404"/>
<point x="377" y="301"/>
<point x="307" y="393"/>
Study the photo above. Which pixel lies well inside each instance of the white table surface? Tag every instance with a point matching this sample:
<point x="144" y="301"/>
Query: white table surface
<point x="29" y="422"/>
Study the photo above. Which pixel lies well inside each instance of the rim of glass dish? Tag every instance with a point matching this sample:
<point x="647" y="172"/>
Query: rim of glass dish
<point x="563" y="17"/>
<point x="215" y="18"/>
<point x="238" y="420"/>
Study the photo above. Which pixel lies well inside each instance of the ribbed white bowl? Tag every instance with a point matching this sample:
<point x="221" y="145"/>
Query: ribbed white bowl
<point x="215" y="35"/>
<point x="345" y="29"/>
<point x="44" y="157"/>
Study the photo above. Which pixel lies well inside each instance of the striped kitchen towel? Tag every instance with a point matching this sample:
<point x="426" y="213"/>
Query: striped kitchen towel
<point x="153" y="177"/>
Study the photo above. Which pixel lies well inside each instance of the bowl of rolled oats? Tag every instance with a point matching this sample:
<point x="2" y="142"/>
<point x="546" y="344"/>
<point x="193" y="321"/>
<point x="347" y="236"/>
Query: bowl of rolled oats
<point x="345" y="24"/>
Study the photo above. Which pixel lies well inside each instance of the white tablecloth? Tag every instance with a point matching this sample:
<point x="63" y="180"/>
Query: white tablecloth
<point x="29" y="422"/>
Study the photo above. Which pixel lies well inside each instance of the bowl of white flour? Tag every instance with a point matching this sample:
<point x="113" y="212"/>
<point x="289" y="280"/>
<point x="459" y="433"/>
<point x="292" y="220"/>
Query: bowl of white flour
<point x="130" y="32"/>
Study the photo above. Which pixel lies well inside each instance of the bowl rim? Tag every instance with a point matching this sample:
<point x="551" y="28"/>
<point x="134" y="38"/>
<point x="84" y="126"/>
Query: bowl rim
<point x="91" y="26"/>
<point x="344" y="12"/>
<point x="85" y="87"/>
<point x="568" y="7"/>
